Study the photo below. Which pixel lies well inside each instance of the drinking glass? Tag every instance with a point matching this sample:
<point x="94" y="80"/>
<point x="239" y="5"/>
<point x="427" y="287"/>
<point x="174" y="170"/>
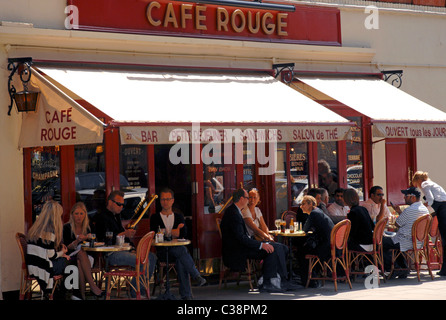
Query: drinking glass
<point x="108" y="238"/>
<point x="277" y="222"/>
<point x="92" y="239"/>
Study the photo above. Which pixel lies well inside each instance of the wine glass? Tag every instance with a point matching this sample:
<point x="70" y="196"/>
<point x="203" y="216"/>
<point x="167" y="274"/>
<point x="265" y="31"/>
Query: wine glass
<point x="277" y="222"/>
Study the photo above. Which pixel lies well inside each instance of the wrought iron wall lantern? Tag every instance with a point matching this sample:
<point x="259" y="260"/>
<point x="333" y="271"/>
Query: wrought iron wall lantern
<point x="25" y="100"/>
<point x="394" y="77"/>
<point x="287" y="69"/>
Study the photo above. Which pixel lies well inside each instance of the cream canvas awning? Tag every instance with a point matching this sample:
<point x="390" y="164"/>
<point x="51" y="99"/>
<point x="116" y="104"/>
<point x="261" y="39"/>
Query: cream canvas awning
<point x="394" y="113"/>
<point x="58" y="120"/>
<point x="154" y="107"/>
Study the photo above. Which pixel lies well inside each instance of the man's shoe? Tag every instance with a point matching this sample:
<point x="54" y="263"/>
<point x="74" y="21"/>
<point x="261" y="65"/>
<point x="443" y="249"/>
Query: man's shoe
<point x="289" y="286"/>
<point x="200" y="282"/>
<point x="270" y="288"/>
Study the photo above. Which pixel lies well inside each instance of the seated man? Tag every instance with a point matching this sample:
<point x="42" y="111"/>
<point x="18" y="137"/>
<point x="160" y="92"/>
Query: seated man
<point x="403" y="237"/>
<point x="110" y="221"/>
<point x="175" y="227"/>
<point x="338" y="210"/>
<point x="376" y="204"/>
<point x="238" y="246"/>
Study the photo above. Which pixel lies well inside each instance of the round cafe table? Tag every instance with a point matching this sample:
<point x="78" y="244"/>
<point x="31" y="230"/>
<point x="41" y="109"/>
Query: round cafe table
<point x="289" y="235"/>
<point x="167" y="244"/>
<point x="101" y="249"/>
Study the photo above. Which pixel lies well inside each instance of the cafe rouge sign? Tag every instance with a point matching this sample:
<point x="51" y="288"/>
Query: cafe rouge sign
<point x="306" y="25"/>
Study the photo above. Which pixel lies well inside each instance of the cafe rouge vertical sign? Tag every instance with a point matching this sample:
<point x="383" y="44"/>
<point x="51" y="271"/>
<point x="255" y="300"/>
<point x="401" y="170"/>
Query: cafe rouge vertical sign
<point x="306" y="25"/>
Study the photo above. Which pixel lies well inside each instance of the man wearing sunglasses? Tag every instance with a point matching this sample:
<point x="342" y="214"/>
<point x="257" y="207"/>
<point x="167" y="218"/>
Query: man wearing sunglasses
<point x="376" y="205"/>
<point x="110" y="221"/>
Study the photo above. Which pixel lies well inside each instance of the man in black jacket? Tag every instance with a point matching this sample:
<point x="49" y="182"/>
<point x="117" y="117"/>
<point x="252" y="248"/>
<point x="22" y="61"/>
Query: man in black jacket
<point x="237" y="246"/>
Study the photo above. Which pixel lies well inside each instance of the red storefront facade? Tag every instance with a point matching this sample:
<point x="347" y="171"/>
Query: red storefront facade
<point x="142" y="163"/>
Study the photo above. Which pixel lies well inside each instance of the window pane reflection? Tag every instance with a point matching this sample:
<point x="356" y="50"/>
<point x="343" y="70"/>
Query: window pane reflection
<point x="299" y="170"/>
<point x="281" y="180"/>
<point x="354" y="159"/>
<point x="328" y="167"/>
<point x="219" y="179"/>
<point x="45" y="177"/>
<point x="249" y="168"/>
<point x="89" y="162"/>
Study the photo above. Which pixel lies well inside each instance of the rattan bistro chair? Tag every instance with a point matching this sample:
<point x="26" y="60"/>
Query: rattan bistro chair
<point x="435" y="247"/>
<point x="29" y="283"/>
<point x="117" y="273"/>
<point x="415" y="256"/>
<point x="338" y="241"/>
<point x="375" y="256"/>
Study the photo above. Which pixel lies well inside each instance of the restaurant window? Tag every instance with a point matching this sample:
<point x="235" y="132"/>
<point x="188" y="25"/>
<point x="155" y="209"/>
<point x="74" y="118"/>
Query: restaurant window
<point x="219" y="177"/>
<point x="45" y="177"/>
<point x="249" y="168"/>
<point x="133" y="166"/>
<point x="281" y="180"/>
<point x="328" y="167"/>
<point x="132" y="177"/>
<point x="89" y="166"/>
<point x="355" y="178"/>
<point x="298" y="171"/>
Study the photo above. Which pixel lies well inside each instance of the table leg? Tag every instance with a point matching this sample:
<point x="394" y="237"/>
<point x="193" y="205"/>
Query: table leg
<point x="167" y="295"/>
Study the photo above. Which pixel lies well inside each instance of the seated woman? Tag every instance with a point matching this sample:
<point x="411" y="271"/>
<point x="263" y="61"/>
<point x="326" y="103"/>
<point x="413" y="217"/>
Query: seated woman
<point x="253" y="218"/>
<point x="361" y="232"/>
<point x="46" y="254"/>
<point x="74" y="233"/>
<point x="319" y="242"/>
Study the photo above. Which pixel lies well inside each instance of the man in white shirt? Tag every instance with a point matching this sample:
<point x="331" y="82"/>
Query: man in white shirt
<point x="338" y="210"/>
<point x="376" y="205"/>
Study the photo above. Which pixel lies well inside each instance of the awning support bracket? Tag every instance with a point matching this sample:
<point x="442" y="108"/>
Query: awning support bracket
<point x="394" y="77"/>
<point x="288" y="75"/>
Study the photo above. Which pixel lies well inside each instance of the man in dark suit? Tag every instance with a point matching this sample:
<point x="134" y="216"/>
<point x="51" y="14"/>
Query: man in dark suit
<point x="237" y="246"/>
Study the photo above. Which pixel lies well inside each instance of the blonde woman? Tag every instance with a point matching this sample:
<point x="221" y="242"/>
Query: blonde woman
<point x="75" y="232"/>
<point x="436" y="198"/>
<point x="46" y="254"/>
<point x="254" y="219"/>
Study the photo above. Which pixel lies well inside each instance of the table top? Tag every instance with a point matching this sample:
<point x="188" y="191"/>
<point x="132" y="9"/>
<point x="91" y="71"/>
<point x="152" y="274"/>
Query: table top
<point x="104" y="248"/>
<point x="288" y="234"/>
<point x="172" y="243"/>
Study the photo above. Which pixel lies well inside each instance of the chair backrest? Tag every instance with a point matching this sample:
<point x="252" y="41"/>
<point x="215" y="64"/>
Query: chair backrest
<point x="433" y="231"/>
<point x="378" y="232"/>
<point x="218" y="222"/>
<point x="420" y="229"/>
<point x="143" y="249"/>
<point x="23" y="244"/>
<point x="339" y="236"/>
<point x="287" y="215"/>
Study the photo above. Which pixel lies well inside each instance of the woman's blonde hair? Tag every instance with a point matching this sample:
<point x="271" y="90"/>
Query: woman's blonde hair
<point x="255" y="191"/>
<point x="85" y="222"/>
<point x="49" y="222"/>
<point x="309" y="200"/>
<point x="420" y="176"/>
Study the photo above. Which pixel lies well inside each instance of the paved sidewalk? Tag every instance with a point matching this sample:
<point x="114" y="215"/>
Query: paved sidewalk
<point x="395" y="289"/>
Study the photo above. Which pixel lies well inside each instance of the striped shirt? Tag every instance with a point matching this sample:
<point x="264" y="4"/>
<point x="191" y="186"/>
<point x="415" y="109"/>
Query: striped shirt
<point x="405" y="222"/>
<point x="39" y="258"/>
